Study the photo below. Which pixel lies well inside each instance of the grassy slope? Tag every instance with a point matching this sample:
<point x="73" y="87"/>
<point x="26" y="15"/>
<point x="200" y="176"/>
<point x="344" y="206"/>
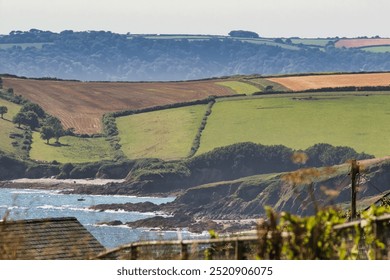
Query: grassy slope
<point x="7" y="127"/>
<point x="360" y="122"/>
<point x="73" y="149"/>
<point x="166" y="134"/>
<point x="239" y="87"/>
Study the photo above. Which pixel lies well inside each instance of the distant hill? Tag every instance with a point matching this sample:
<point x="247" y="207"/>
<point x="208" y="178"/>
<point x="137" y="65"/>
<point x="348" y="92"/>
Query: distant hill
<point x="99" y="55"/>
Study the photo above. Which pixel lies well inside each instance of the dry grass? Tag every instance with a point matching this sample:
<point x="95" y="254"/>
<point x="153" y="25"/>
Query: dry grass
<point x="358" y="43"/>
<point x="299" y="83"/>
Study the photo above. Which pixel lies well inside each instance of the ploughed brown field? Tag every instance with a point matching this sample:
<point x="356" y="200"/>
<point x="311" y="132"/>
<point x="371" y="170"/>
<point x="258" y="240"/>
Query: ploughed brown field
<point x="299" y="83"/>
<point x="358" y="43"/>
<point x="81" y="105"/>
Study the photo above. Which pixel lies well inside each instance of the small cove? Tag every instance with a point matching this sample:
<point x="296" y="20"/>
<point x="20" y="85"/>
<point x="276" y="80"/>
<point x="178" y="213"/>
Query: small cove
<point x="38" y="204"/>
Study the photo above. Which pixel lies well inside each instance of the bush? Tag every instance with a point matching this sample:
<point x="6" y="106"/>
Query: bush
<point x="326" y="155"/>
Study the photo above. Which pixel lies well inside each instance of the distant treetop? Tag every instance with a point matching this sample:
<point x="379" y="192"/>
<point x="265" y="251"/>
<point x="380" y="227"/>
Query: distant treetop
<point x="243" y="34"/>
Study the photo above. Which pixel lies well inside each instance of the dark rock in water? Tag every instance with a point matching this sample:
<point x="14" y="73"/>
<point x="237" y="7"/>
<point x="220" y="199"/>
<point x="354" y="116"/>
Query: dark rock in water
<point x="130" y="207"/>
<point x="205" y="225"/>
<point x="175" y="222"/>
<point x="112" y="223"/>
<point x="169" y="223"/>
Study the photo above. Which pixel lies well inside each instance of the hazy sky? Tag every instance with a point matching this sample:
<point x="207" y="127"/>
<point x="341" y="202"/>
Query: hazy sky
<point x="269" y="18"/>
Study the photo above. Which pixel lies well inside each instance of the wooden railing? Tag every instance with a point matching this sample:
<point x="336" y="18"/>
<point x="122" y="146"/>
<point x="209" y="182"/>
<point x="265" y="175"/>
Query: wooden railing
<point x="381" y="231"/>
<point x="243" y="247"/>
<point x="236" y="248"/>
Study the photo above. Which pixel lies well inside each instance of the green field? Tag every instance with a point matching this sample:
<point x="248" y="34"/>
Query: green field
<point x="361" y="122"/>
<point x="72" y="149"/>
<point x="268" y="42"/>
<point x="312" y="41"/>
<point x="240" y="87"/>
<point x="7" y="127"/>
<point x="377" y="49"/>
<point x="166" y="134"/>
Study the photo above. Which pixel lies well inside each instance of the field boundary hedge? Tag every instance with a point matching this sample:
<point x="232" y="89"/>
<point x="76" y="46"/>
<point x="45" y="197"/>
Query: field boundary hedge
<point x="196" y="142"/>
<point x="349" y="88"/>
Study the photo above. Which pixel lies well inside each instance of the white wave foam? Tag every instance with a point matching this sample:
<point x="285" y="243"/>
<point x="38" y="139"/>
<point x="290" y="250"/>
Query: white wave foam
<point x="110" y="226"/>
<point x="51" y="207"/>
<point x="117" y="211"/>
<point x="65" y="207"/>
<point x="49" y="181"/>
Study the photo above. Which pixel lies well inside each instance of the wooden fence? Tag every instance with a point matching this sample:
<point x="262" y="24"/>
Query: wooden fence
<point x="381" y="231"/>
<point x="244" y="247"/>
<point x="236" y="248"/>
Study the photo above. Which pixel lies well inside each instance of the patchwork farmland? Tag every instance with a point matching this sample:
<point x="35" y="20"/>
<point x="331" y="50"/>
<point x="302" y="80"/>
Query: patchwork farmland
<point x="296" y="120"/>
<point x="81" y="105"/>
<point x="300" y="121"/>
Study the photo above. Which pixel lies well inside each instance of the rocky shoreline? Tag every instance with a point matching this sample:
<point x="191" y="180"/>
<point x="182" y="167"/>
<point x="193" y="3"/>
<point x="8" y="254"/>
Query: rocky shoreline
<point x="170" y="216"/>
<point x="184" y="222"/>
<point x="172" y="221"/>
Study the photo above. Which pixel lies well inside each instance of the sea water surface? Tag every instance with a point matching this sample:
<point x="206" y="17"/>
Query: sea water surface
<point x="37" y="204"/>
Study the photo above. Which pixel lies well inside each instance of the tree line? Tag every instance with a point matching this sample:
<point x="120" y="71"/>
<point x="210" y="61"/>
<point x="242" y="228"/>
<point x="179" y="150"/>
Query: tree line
<point x="99" y="55"/>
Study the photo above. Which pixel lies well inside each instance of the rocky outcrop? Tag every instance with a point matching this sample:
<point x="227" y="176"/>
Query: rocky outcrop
<point x="175" y="222"/>
<point x="129" y="207"/>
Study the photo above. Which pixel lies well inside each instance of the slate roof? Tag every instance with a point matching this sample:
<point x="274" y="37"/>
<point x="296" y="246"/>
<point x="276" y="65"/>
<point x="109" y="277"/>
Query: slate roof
<point x="47" y="239"/>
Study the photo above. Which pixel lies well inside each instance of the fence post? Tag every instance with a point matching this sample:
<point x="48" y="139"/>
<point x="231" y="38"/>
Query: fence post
<point x="354" y="173"/>
<point x="184" y="251"/>
<point x="239" y="250"/>
<point x="133" y="252"/>
<point x="375" y="232"/>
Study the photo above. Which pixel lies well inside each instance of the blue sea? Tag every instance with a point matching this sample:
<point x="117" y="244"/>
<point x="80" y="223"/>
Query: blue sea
<point x="36" y="204"/>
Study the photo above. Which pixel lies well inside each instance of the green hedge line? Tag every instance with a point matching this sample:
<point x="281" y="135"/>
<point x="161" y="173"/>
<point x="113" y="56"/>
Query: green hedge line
<point x="196" y="143"/>
<point x="350" y="88"/>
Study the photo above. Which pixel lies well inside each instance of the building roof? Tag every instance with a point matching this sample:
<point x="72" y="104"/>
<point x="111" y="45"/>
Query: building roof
<point x="47" y="239"/>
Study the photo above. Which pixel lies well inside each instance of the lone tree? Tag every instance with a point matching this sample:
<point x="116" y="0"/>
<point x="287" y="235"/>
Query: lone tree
<point x="47" y="133"/>
<point x="3" y="110"/>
